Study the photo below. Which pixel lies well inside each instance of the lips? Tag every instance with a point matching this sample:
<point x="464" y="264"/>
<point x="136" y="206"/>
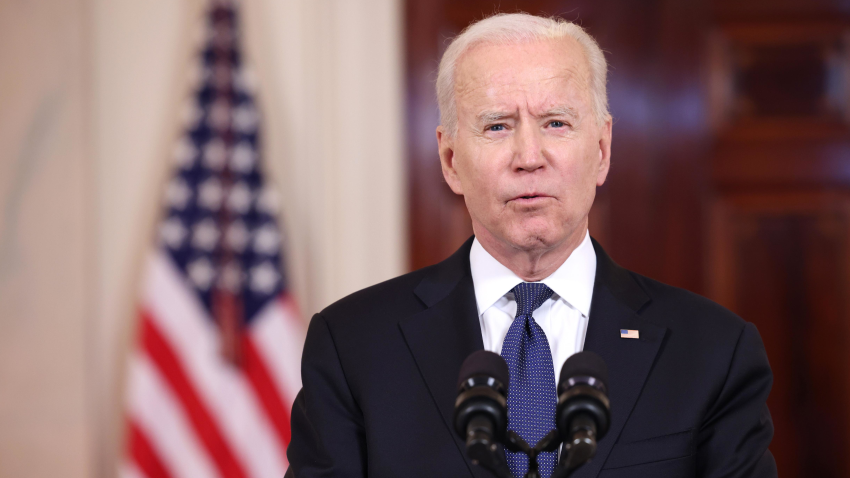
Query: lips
<point x="529" y="195"/>
<point x="529" y="198"/>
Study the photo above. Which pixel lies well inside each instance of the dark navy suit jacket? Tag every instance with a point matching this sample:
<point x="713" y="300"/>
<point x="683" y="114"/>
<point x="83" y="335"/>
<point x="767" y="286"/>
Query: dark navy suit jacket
<point x="379" y="377"/>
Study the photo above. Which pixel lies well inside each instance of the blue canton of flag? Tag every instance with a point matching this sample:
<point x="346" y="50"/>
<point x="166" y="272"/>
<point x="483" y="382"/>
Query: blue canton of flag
<point x="220" y="227"/>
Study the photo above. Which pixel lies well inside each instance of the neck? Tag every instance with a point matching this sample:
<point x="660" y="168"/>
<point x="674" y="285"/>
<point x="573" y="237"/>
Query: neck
<point x="531" y="265"/>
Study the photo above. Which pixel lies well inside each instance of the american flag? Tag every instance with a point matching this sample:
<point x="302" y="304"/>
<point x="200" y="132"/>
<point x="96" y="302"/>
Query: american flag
<point x="216" y="366"/>
<point x="629" y="334"/>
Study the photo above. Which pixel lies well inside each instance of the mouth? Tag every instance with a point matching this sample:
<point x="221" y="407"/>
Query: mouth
<point x="529" y="199"/>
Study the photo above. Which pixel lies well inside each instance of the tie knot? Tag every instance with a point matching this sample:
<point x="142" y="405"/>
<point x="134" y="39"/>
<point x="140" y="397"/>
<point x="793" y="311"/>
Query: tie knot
<point x="529" y="296"/>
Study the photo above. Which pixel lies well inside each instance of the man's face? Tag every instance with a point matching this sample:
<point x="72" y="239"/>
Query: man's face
<point x="528" y="153"/>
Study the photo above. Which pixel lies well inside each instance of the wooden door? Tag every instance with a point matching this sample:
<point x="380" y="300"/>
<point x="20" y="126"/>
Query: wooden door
<point x="729" y="177"/>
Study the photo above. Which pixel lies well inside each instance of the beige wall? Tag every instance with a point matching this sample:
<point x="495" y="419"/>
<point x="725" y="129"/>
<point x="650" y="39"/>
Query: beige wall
<point x="90" y="95"/>
<point x="45" y="239"/>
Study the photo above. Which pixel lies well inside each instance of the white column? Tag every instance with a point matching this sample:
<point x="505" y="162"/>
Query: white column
<point x="141" y="54"/>
<point x="331" y="77"/>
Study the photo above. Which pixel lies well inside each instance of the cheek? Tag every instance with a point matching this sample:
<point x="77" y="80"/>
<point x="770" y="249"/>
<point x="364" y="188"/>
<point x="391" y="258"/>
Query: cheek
<point x="478" y="172"/>
<point x="586" y="158"/>
<point x="579" y="172"/>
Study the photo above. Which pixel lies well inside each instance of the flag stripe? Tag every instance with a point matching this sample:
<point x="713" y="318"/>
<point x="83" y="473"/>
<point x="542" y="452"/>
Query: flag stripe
<point x="258" y="376"/>
<point x="128" y="469"/>
<point x="157" y="412"/>
<point x="278" y="336"/>
<point x="144" y="455"/>
<point x="172" y="370"/>
<point x="221" y="386"/>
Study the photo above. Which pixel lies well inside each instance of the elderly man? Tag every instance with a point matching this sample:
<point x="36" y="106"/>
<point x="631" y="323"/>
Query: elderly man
<point x="525" y="138"/>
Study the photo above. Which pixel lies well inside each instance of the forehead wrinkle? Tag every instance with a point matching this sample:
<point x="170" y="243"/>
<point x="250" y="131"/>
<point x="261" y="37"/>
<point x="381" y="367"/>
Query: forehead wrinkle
<point x="494" y="86"/>
<point x="529" y="87"/>
<point x="573" y="76"/>
<point x="562" y="104"/>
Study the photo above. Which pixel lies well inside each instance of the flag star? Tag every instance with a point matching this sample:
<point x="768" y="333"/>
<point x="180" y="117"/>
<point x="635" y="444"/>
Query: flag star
<point x="215" y="154"/>
<point x="243" y="158"/>
<point x="267" y="202"/>
<point x="205" y="234"/>
<point x="267" y="240"/>
<point x="239" y="199"/>
<point x="232" y="277"/>
<point x="173" y="232"/>
<point x="206" y="73"/>
<point x="245" y="80"/>
<point x="185" y="153"/>
<point x="201" y="272"/>
<point x="191" y="115"/>
<point x="237" y="236"/>
<point x="177" y="193"/>
<point x="245" y="118"/>
<point x="219" y="117"/>
<point x="264" y="278"/>
<point x="210" y="194"/>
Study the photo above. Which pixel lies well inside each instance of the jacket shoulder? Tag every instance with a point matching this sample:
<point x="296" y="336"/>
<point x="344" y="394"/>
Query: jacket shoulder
<point x="379" y="299"/>
<point x="689" y="313"/>
<point x="401" y="296"/>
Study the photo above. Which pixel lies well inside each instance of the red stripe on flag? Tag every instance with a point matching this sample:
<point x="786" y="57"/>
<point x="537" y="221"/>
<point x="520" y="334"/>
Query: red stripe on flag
<point x="144" y="455"/>
<point x="169" y="365"/>
<point x="261" y="380"/>
<point x="290" y="309"/>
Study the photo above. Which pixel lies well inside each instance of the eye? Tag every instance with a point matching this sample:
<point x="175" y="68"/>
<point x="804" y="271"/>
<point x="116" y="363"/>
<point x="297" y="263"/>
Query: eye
<point x="496" y="127"/>
<point x="557" y="124"/>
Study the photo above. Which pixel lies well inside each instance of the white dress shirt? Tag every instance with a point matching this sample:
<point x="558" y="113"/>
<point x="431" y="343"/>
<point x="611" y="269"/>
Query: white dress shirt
<point x="563" y="317"/>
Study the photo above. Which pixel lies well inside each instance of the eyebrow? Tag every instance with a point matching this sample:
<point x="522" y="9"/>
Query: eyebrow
<point x="488" y="117"/>
<point x="561" y="111"/>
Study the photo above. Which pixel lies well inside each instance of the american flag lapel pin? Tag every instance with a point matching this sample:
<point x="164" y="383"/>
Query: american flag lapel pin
<point x="629" y="334"/>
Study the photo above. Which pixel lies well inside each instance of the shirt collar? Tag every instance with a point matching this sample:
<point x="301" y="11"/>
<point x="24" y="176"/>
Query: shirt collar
<point x="573" y="281"/>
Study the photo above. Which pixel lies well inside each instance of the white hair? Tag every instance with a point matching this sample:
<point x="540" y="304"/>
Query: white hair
<point x="511" y="29"/>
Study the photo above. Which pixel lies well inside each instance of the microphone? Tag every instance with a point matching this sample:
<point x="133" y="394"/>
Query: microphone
<point x="481" y="409"/>
<point x="583" y="414"/>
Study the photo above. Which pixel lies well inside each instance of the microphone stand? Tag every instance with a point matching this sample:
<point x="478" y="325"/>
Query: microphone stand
<point x="515" y="443"/>
<point x="577" y="452"/>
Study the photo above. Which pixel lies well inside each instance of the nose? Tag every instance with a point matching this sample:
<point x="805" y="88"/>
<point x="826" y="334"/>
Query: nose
<point x="528" y="148"/>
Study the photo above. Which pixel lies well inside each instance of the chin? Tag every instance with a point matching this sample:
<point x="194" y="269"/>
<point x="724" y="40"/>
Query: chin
<point x="534" y="239"/>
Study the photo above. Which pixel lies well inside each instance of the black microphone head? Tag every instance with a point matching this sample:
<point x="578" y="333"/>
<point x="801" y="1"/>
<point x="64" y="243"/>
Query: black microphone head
<point x="583" y="392"/>
<point x="482" y="396"/>
<point x="484" y="363"/>
<point x="585" y="364"/>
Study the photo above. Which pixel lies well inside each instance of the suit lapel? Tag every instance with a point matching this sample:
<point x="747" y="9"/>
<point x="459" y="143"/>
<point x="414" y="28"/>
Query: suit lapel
<point x="617" y="301"/>
<point x="447" y="331"/>
<point x="444" y="334"/>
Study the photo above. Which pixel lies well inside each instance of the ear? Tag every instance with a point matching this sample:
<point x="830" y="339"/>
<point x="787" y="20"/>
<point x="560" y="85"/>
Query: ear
<point x="604" y="152"/>
<point x="445" y="144"/>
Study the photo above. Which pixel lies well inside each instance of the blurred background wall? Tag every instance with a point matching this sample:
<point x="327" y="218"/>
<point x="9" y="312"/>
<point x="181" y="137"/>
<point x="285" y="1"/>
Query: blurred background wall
<point x="46" y="239"/>
<point x="91" y="97"/>
<point x="730" y="167"/>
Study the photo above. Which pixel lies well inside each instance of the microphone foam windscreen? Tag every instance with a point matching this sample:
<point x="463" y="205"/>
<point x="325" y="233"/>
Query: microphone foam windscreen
<point x="486" y="363"/>
<point x="586" y="364"/>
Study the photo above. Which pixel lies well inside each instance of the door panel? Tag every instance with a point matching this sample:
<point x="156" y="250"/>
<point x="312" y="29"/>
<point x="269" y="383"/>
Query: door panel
<point x="729" y="176"/>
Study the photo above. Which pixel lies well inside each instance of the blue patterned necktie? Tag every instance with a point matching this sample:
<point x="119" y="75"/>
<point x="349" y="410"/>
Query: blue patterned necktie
<point x="531" y="393"/>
